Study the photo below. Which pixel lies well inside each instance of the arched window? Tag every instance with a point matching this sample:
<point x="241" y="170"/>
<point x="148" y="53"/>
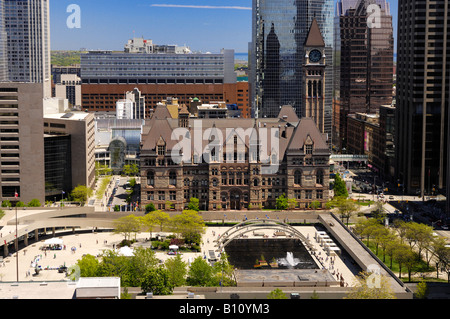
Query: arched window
<point x="255" y="182"/>
<point x="298" y="177"/>
<point x="173" y="178"/>
<point x="151" y="178"/>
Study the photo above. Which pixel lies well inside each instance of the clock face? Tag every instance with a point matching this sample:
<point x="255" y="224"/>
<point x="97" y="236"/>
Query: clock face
<point x="315" y="56"/>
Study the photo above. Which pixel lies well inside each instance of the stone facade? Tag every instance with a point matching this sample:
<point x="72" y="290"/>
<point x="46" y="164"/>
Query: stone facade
<point x="233" y="170"/>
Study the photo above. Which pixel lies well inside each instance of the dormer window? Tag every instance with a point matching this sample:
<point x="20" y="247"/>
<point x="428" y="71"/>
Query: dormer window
<point x="308" y="149"/>
<point x="161" y="150"/>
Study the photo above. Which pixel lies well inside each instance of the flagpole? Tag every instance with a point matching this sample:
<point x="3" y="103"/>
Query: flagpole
<point x="17" y="249"/>
<point x="16" y="195"/>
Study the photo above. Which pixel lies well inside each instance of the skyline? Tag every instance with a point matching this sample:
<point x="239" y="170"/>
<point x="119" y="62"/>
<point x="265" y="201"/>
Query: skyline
<point x="207" y="25"/>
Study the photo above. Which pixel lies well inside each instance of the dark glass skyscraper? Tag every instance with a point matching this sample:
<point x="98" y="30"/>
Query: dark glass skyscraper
<point x="423" y="84"/>
<point x="280" y="28"/>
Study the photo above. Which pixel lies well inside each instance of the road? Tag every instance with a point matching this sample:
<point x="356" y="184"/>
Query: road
<point x="116" y="194"/>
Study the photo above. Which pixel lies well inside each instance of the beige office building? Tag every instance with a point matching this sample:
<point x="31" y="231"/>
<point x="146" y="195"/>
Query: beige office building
<point x="21" y="142"/>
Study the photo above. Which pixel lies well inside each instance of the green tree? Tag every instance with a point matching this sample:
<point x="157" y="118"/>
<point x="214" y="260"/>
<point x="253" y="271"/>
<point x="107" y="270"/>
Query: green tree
<point x="422" y="290"/>
<point x="315" y="205"/>
<point x="404" y="257"/>
<point x="20" y="204"/>
<point x="340" y="189"/>
<point x="156" y="280"/>
<point x="6" y="203"/>
<point x="88" y="265"/>
<point x="161" y="218"/>
<point x="282" y="202"/>
<point x="127" y="225"/>
<point x="150" y="208"/>
<point x="200" y="273"/>
<point x="81" y="193"/>
<point x="34" y="203"/>
<point x="149" y="223"/>
<point x="367" y="289"/>
<point x="345" y="207"/>
<point x="177" y="270"/>
<point x="102" y="170"/>
<point x="142" y="260"/>
<point x="130" y="170"/>
<point x="194" y="204"/>
<point x="277" y="294"/>
<point x="189" y="224"/>
<point x="224" y="272"/>
<point x="292" y="203"/>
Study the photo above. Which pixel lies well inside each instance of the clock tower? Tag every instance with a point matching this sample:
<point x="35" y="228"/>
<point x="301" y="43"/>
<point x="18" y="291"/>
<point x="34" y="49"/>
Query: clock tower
<point x="314" y="76"/>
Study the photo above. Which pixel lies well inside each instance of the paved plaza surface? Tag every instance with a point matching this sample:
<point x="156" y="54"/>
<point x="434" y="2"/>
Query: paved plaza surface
<point x="94" y="243"/>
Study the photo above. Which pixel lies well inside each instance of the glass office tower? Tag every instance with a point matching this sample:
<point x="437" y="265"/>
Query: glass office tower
<point x="27" y="27"/>
<point x="280" y="28"/>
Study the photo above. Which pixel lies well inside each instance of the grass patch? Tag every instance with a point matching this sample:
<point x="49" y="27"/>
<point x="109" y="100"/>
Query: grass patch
<point x="103" y="185"/>
<point x="419" y="267"/>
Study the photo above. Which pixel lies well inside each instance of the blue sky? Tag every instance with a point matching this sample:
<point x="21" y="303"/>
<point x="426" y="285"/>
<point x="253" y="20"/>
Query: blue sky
<point x="203" y="25"/>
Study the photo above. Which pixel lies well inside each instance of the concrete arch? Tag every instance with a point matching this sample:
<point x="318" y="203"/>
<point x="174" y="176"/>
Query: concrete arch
<point x="255" y="224"/>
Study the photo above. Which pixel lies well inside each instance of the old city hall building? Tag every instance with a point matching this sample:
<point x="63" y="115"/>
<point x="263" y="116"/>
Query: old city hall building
<point x="232" y="163"/>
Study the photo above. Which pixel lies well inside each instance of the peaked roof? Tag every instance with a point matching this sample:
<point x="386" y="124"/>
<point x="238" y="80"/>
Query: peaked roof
<point x="314" y="38"/>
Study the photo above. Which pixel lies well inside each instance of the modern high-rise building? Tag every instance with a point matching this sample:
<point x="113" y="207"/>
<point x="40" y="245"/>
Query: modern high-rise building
<point x="280" y="29"/>
<point x="364" y="62"/>
<point x="21" y="142"/>
<point x="27" y="28"/>
<point x="423" y="83"/>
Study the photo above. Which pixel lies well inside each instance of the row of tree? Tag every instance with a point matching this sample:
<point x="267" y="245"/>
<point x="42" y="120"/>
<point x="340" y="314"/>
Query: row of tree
<point x="188" y="225"/>
<point x="407" y="243"/>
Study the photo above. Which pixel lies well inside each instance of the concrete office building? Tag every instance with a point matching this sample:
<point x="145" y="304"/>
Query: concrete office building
<point x="22" y="142"/>
<point x="27" y="27"/>
<point x="280" y="29"/>
<point x="364" y="63"/>
<point x="422" y="96"/>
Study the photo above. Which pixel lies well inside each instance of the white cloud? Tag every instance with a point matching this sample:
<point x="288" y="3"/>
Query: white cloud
<point x="199" y="7"/>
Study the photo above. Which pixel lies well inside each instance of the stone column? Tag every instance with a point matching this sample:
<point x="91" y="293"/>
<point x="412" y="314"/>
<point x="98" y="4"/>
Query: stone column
<point x="36" y="234"/>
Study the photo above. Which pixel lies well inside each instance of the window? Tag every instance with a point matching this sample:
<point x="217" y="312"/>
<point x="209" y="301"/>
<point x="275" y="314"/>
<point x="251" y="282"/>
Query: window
<point x="298" y="177"/>
<point x="319" y="194"/>
<point x="173" y="178"/>
<point x="161" y="150"/>
<point x="151" y="178"/>
<point x="319" y="177"/>
<point x="308" y="149"/>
